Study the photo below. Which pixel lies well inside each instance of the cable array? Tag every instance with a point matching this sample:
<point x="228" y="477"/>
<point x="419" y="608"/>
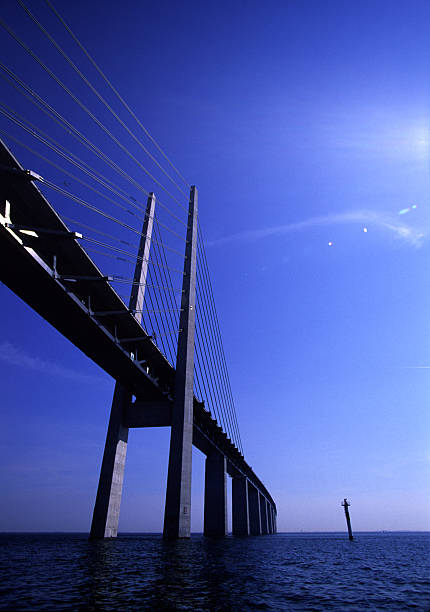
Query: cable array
<point x="98" y="165"/>
<point x="120" y="98"/>
<point x="211" y="372"/>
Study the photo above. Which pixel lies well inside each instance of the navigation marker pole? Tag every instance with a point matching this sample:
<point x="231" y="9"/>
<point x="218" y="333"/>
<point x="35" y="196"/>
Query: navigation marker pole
<point x="345" y="504"/>
<point x="109" y="492"/>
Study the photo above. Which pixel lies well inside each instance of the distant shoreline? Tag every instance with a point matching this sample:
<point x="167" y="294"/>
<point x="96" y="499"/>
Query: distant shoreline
<point x="198" y="533"/>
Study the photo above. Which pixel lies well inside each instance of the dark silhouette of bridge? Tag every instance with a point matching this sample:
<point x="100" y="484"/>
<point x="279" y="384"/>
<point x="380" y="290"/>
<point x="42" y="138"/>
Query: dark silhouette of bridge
<point x="44" y="264"/>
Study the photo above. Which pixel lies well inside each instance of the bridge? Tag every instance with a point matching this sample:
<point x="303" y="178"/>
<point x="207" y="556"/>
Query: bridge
<point x="165" y="353"/>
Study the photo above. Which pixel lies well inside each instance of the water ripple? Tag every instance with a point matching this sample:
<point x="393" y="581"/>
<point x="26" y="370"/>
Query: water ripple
<point x="315" y="572"/>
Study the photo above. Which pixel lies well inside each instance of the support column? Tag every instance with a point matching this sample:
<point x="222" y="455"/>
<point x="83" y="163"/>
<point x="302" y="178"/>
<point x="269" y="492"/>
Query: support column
<point x="254" y="510"/>
<point x="215" y="513"/>
<point x="270" y="515"/>
<point x="240" y="506"/>
<point x="108" y="501"/>
<point x="263" y="513"/>
<point x="177" y="515"/>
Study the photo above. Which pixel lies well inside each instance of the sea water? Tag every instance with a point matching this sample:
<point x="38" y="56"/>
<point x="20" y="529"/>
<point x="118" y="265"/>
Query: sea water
<point x="385" y="571"/>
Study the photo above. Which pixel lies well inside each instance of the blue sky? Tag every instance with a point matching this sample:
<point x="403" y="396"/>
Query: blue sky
<point x="302" y="124"/>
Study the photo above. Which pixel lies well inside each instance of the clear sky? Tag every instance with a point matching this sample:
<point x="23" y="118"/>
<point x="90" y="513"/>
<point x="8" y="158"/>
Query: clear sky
<point x="305" y="126"/>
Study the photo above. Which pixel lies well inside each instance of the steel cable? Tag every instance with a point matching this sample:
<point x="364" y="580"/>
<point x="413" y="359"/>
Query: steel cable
<point x="215" y="347"/>
<point x="169" y="296"/>
<point x="158" y="271"/>
<point x="79" y="200"/>
<point x="140" y="209"/>
<point x="223" y="360"/>
<point x="71" y="130"/>
<point x="107" y="81"/>
<point x="97" y="93"/>
<point x="84" y="108"/>
<point x="201" y="318"/>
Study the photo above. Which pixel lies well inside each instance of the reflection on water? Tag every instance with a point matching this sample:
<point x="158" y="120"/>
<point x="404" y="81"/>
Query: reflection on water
<point x="164" y="575"/>
<point x="282" y="572"/>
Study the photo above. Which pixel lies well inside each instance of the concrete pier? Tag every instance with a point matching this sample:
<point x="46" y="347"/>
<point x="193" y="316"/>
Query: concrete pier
<point x="108" y="500"/>
<point x="263" y="514"/>
<point x="240" y="506"/>
<point x="269" y="520"/>
<point x="270" y="515"/>
<point x="254" y="510"/>
<point x="177" y="515"/>
<point x="215" y="511"/>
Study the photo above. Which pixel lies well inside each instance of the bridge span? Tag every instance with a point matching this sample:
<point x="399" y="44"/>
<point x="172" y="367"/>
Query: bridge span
<point x="45" y="265"/>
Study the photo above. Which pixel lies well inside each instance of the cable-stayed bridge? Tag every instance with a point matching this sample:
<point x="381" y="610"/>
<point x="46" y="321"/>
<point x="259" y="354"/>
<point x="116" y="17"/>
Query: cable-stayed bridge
<point x="99" y="233"/>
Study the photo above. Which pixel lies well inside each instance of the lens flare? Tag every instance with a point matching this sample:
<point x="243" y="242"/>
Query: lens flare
<point x="404" y="211"/>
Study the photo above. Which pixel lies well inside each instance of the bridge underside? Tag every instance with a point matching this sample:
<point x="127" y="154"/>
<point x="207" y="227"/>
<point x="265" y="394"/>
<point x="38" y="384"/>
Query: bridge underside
<point x="247" y="500"/>
<point x="52" y="273"/>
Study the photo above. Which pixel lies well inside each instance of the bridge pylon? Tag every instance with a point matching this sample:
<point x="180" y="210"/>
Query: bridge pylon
<point x="108" y="500"/>
<point x="177" y="515"/>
